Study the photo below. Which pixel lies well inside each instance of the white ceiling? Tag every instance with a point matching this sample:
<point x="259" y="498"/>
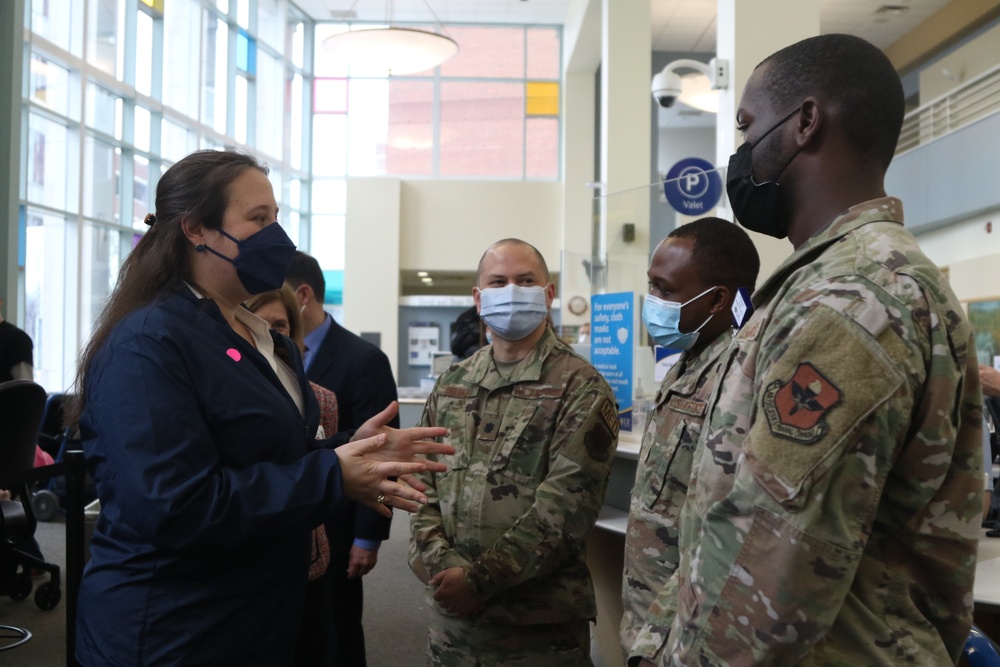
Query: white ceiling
<point x="677" y="25"/>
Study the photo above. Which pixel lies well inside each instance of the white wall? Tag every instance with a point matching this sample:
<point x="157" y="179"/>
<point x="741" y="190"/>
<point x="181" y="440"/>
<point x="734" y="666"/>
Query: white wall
<point x="963" y="64"/>
<point x="970" y="254"/>
<point x="371" y="262"/>
<point x="395" y="225"/>
<point x="447" y="225"/>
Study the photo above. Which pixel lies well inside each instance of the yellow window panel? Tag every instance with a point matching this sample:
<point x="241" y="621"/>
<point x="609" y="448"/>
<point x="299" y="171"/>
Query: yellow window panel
<point x="154" y="4"/>
<point x="541" y="98"/>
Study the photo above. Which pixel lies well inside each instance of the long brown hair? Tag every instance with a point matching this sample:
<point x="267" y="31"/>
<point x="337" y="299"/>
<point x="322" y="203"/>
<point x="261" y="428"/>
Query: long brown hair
<point x="197" y="187"/>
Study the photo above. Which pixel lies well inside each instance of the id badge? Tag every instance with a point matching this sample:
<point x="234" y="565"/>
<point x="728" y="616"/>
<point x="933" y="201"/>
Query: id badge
<point x="742" y="307"/>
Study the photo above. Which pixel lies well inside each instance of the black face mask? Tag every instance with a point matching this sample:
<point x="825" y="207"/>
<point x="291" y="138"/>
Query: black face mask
<point x="757" y="206"/>
<point x="263" y="258"/>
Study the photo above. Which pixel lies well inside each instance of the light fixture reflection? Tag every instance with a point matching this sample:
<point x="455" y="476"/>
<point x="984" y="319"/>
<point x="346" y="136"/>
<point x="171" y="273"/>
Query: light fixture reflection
<point x="697" y="92"/>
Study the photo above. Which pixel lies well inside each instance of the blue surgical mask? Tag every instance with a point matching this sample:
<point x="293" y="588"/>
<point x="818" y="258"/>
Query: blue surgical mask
<point x="663" y="319"/>
<point x="512" y="312"/>
<point x="263" y="258"/>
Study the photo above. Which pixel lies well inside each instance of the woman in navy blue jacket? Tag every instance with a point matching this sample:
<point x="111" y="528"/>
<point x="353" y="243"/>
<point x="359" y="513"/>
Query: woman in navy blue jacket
<point x="198" y="429"/>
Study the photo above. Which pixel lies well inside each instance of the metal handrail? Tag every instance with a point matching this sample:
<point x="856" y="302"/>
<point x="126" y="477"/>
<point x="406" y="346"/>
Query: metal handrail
<point x="974" y="99"/>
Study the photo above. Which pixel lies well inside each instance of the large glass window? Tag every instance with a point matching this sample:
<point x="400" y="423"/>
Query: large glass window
<point x="48" y="84"/>
<point x="142" y="195"/>
<point x="47" y="176"/>
<point x="142" y="126"/>
<point x="327" y="241"/>
<point x="180" y="56"/>
<point x="176" y="141"/>
<point x="102" y="255"/>
<point x="51" y="253"/>
<point x="224" y="74"/>
<point x="216" y="73"/>
<point x="53" y="20"/>
<point x="294" y="108"/>
<point x="410" y="139"/>
<point x="270" y="103"/>
<point x="100" y="180"/>
<point x="104" y="111"/>
<point x="477" y="115"/>
<point x="482" y="128"/>
<point x="270" y="21"/>
<point x="105" y="37"/>
<point x="241" y="108"/>
<point x="368" y="121"/>
<point x="144" y="53"/>
<point x="329" y="197"/>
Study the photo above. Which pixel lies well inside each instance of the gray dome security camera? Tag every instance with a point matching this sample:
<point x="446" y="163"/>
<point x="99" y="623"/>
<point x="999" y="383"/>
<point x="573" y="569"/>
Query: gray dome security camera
<point x="666" y="88"/>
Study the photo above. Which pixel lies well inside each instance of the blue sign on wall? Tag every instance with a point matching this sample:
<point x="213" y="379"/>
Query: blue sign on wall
<point x="693" y="186"/>
<point x="611" y="344"/>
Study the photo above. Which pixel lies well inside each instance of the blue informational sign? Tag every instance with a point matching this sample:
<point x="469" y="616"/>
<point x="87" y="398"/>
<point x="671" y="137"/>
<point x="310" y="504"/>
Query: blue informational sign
<point x="693" y="186"/>
<point x="611" y="343"/>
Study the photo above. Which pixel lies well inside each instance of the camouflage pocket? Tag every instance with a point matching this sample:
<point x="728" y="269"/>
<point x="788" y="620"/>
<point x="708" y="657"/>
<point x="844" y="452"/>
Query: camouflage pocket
<point x="782" y="590"/>
<point x="668" y="462"/>
<point x="522" y="451"/>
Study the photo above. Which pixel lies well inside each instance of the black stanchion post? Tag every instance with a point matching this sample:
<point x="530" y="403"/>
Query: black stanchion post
<point x="75" y="476"/>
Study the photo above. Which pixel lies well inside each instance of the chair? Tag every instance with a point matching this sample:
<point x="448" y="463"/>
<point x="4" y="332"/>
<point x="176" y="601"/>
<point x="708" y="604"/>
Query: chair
<point x="979" y="650"/>
<point x="54" y="438"/>
<point x="21" y="406"/>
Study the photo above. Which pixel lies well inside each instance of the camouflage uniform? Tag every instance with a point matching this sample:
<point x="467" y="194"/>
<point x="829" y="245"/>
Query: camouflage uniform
<point x="661" y="483"/>
<point x="834" y="506"/>
<point x="533" y="453"/>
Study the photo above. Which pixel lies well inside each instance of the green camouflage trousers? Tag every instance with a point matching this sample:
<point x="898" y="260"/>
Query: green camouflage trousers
<point x="457" y="642"/>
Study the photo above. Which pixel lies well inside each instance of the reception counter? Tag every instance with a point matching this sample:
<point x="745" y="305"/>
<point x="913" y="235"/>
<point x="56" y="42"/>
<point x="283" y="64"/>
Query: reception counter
<point x="606" y="552"/>
<point x="410" y="410"/>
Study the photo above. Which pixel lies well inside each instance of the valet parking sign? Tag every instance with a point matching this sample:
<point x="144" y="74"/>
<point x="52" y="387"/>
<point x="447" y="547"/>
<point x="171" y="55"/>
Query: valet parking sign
<point x="693" y="186"/>
<point x="611" y="346"/>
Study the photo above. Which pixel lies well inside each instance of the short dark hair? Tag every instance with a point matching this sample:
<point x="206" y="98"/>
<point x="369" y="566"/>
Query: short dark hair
<point x="513" y="241"/>
<point x="304" y="269"/>
<point x="722" y="252"/>
<point x="853" y="74"/>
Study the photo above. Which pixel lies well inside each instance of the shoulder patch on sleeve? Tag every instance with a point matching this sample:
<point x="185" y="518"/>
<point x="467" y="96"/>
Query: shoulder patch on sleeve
<point x="602" y="431"/>
<point x="797" y="409"/>
<point x="610" y="418"/>
<point x="814" y="393"/>
<point x="598" y="441"/>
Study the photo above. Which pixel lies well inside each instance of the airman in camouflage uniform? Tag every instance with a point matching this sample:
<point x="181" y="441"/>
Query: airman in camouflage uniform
<point x="501" y="540"/>
<point x="701" y="265"/>
<point x="834" y="508"/>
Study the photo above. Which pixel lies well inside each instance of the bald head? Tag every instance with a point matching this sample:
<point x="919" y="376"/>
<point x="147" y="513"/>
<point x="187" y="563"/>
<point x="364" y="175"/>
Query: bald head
<point x="506" y="249"/>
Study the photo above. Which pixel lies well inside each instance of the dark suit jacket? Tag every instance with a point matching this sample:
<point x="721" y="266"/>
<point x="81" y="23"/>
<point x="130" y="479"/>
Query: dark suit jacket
<point x="359" y="374"/>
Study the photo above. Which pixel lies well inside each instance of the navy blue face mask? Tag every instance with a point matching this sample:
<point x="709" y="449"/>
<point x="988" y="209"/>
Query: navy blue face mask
<point x="263" y="258"/>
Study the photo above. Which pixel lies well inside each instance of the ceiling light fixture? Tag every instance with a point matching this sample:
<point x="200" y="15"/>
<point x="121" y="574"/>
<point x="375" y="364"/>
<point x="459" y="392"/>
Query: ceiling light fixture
<point x="394" y="50"/>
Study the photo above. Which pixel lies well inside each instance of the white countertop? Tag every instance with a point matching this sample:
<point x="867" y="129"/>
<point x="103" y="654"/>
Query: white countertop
<point x="987" y="588"/>
<point x="612" y="520"/>
<point x="985" y="592"/>
<point x="628" y="445"/>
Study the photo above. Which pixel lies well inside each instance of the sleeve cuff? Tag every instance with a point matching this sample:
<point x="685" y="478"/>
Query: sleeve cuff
<point x="368" y="545"/>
